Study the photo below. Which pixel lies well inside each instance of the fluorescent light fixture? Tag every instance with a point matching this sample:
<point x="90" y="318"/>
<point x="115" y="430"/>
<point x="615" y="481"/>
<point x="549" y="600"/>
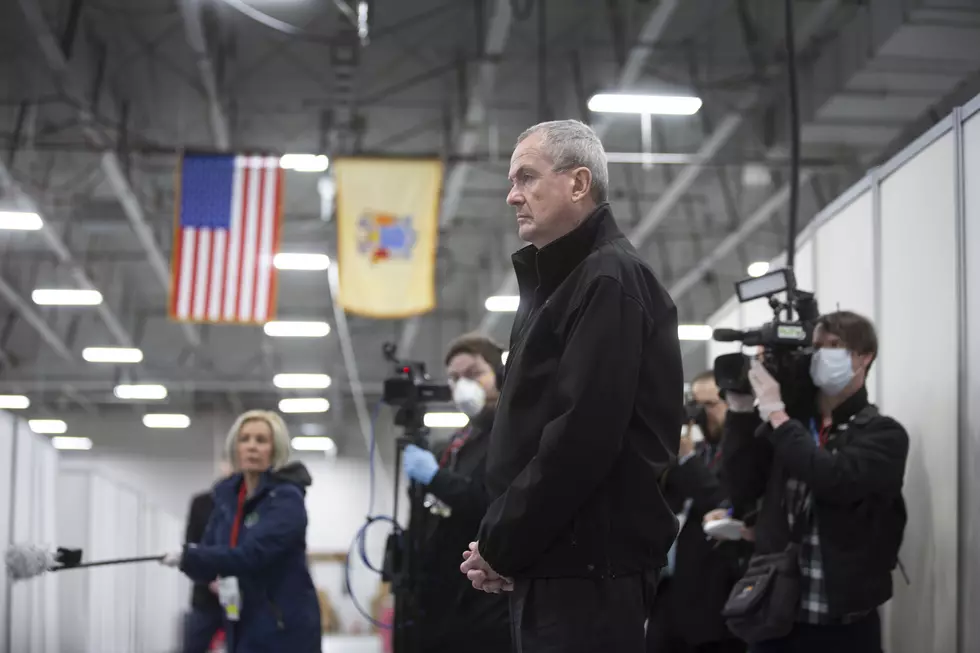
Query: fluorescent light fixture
<point x="694" y="332"/>
<point x="299" y="261"/>
<point x="112" y="355"/>
<point x="140" y="391"/>
<point x="304" y="162"/>
<point x="166" y="421"/>
<point x="20" y="221"/>
<point x="503" y="357"/>
<point x="69" y="443"/>
<point x="319" y="443"/>
<point x="301" y="381"/>
<point x="758" y="268"/>
<point x="14" y="402"/>
<point x="502" y="303"/>
<point x="66" y="297"/>
<point x="446" y="420"/>
<point x="283" y="329"/>
<point x="47" y="426"/>
<point x="304" y="405"/>
<point x="664" y="105"/>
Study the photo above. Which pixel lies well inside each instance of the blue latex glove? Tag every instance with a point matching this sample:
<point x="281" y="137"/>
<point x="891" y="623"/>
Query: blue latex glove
<point x="419" y="465"/>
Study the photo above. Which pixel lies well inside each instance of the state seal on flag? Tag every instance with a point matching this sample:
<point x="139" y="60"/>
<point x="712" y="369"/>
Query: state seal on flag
<point x="385" y="236"/>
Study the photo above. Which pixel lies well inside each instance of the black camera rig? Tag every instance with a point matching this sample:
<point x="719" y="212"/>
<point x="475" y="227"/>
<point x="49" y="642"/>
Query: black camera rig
<point x="409" y="390"/>
<point x="786" y="342"/>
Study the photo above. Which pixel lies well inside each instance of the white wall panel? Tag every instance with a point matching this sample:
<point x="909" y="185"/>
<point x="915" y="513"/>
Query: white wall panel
<point x="845" y="264"/>
<point x="918" y="377"/>
<point x="970" y="461"/>
<point x="34" y="605"/>
<point x="7" y="427"/>
<point x="74" y="504"/>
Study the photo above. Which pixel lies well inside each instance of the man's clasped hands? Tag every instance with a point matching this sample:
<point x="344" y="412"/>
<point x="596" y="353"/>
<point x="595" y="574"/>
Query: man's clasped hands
<point x="481" y="575"/>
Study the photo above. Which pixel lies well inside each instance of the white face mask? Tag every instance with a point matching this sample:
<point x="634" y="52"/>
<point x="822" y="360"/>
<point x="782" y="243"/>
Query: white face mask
<point x="469" y="396"/>
<point x="831" y="370"/>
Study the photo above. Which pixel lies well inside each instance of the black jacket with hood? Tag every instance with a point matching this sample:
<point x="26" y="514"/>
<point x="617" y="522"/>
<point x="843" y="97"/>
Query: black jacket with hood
<point x="590" y="415"/>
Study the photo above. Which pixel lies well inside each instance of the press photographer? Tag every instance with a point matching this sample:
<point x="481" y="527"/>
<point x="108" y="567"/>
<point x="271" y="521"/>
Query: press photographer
<point x="454" y="617"/>
<point x="830" y="480"/>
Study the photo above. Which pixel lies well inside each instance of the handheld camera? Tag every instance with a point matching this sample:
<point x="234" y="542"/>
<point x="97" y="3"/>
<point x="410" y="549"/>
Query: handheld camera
<point x="785" y="341"/>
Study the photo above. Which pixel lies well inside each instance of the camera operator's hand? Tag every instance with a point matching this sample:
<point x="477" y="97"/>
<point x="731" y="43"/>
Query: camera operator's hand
<point x="766" y="389"/>
<point x="419" y="465"/>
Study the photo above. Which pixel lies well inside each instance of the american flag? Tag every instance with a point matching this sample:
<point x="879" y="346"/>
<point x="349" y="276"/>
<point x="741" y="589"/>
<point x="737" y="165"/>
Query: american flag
<point x="227" y="233"/>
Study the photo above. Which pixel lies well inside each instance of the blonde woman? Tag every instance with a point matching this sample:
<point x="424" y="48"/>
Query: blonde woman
<point x="255" y="544"/>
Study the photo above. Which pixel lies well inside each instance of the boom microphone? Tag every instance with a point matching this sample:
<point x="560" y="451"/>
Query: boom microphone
<point x="28" y="560"/>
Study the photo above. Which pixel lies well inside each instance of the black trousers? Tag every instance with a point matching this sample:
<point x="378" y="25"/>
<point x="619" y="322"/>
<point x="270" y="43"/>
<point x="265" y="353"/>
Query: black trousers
<point x="578" y="615"/>
<point x="859" y="637"/>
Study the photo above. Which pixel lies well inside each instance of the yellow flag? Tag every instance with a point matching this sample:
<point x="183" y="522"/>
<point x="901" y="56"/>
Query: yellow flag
<point x="387" y="233"/>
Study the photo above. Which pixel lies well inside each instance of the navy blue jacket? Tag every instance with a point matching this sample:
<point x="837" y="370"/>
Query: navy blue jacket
<point x="280" y="611"/>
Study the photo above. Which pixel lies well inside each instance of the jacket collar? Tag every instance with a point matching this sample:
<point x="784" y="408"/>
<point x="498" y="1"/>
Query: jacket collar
<point x="544" y="269"/>
<point x="850" y="407"/>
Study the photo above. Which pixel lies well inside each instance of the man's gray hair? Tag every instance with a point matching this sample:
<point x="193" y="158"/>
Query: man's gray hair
<point x="572" y="144"/>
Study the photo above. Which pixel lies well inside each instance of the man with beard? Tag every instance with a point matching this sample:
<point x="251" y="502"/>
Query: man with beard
<point x="686" y="615"/>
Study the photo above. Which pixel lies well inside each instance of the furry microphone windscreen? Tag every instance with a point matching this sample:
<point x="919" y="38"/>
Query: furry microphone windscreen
<point x="27" y="561"/>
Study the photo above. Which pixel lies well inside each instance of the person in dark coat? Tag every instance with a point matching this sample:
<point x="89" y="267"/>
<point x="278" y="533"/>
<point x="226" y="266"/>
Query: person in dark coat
<point x="255" y="544"/>
<point x="589" y="417"/>
<point x="204" y="618"/>
<point x="454" y="617"/>
<point x="686" y="616"/>
<point x="829" y="476"/>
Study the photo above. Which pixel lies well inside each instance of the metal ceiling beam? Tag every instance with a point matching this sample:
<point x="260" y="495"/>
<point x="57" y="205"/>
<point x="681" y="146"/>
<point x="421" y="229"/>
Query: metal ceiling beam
<point x="64" y="255"/>
<point x="763" y="214"/>
<point x="636" y="61"/>
<point x="111" y="166"/>
<point x="190" y="11"/>
<point x="35" y="320"/>
<point x="706" y="153"/>
<point x="33" y="384"/>
<point x="637" y="58"/>
<point x="469" y="138"/>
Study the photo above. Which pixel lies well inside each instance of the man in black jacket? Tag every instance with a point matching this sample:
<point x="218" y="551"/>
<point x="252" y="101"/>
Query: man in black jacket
<point x="454" y="617"/>
<point x="589" y="417"/>
<point x="841" y="473"/>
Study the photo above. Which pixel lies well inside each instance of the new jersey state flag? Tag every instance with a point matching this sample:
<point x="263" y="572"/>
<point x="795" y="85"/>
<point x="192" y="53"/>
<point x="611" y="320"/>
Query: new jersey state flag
<point x="387" y="233"/>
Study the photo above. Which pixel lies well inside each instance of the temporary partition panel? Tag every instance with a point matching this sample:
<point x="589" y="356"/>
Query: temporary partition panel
<point x="8" y="426"/>
<point x="34" y="602"/>
<point x="969" y="576"/>
<point x="164" y="592"/>
<point x="918" y="384"/>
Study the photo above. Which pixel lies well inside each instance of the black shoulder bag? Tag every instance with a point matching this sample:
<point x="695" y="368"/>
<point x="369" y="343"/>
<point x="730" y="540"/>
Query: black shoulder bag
<point x="764" y="604"/>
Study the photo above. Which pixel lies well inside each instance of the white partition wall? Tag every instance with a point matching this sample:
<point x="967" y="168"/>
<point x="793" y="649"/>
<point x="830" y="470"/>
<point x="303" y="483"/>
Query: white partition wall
<point x="902" y="247"/>
<point x="33" y="607"/>
<point x="131" y="607"/>
<point x="8" y="428"/>
<point x="969" y="450"/>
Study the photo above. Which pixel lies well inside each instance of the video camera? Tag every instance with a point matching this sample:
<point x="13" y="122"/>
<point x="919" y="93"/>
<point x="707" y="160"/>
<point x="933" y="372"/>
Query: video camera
<point x="786" y="342"/>
<point x="409" y="388"/>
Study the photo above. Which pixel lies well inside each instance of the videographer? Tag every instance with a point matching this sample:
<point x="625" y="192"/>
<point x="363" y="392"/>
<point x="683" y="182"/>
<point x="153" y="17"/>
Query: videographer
<point x="454" y="617"/>
<point x="831" y="483"/>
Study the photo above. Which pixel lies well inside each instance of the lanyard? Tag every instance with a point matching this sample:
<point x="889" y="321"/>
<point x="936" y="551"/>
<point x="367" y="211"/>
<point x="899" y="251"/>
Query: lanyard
<point x="238" y="515"/>
<point x="821" y="435"/>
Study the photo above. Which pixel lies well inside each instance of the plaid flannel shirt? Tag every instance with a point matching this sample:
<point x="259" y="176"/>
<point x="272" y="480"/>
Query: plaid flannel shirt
<point x="814" y="608"/>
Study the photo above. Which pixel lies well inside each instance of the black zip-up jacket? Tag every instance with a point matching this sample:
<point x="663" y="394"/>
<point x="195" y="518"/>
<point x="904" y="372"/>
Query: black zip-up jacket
<point x="590" y="414"/>
<point x="855" y="483"/>
<point x="455" y="617"/>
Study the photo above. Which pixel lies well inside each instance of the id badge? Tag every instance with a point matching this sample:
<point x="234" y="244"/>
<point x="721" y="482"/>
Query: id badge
<point x="230" y="597"/>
